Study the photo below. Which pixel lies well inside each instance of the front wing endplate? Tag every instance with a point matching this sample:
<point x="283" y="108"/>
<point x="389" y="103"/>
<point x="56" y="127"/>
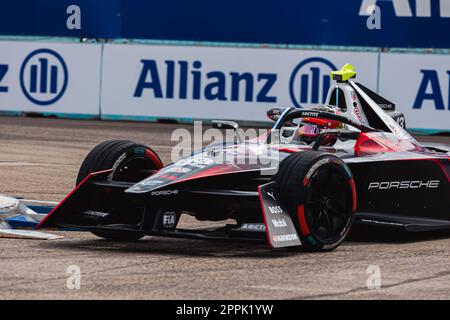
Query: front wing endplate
<point x="280" y="229"/>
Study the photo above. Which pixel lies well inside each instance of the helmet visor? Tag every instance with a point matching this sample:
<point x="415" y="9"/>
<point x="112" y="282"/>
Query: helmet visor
<point x="309" y="131"/>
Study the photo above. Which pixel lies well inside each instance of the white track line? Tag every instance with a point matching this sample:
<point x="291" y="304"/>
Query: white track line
<point x="52" y="203"/>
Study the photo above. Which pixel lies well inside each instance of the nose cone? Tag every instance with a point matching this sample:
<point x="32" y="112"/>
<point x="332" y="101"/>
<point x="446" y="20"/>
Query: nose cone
<point x="212" y="162"/>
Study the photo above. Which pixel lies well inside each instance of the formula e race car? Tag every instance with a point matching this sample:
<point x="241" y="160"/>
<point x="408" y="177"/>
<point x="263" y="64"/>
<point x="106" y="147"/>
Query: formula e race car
<point x="301" y="184"/>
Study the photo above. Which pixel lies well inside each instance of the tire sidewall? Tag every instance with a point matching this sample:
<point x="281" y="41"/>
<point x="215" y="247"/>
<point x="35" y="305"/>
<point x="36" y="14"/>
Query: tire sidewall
<point x="301" y="168"/>
<point x="337" y="163"/>
<point x="138" y="151"/>
<point x="111" y="155"/>
<point x="104" y="157"/>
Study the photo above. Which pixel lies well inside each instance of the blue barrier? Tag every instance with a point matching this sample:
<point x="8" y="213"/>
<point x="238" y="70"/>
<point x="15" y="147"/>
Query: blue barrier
<point x="321" y="22"/>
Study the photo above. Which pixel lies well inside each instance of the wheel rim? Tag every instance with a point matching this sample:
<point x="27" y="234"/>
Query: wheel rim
<point x="328" y="204"/>
<point x="134" y="169"/>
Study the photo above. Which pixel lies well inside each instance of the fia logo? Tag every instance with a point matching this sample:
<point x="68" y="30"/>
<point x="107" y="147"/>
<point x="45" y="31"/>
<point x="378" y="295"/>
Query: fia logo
<point x="43" y="77"/>
<point x="310" y="81"/>
<point x="169" y="219"/>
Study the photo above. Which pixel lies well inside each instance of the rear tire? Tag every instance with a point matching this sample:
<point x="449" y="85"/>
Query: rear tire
<point x="129" y="162"/>
<point x="318" y="191"/>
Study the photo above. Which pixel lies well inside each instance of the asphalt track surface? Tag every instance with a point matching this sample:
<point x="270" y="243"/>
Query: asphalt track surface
<point x="39" y="159"/>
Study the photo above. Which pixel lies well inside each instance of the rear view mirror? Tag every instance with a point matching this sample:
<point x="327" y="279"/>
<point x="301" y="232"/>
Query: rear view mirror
<point x="274" y="113"/>
<point x="224" y="124"/>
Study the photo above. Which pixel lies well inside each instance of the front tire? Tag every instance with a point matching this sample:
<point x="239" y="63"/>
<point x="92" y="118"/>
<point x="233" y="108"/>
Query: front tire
<point x="319" y="193"/>
<point x="130" y="161"/>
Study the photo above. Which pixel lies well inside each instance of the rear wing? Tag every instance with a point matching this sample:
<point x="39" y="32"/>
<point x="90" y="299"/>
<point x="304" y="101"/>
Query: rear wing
<point x="384" y="104"/>
<point x="378" y="115"/>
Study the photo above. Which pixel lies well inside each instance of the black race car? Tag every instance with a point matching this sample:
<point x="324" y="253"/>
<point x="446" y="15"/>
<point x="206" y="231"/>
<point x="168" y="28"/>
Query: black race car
<point x="303" y="184"/>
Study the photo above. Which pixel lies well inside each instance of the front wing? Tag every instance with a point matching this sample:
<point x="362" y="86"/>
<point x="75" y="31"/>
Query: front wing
<point x="78" y="210"/>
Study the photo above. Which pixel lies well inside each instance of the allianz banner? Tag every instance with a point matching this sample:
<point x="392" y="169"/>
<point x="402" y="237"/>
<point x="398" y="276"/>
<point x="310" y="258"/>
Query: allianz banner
<point x="147" y="82"/>
<point x="50" y="78"/>
<point x="419" y="84"/>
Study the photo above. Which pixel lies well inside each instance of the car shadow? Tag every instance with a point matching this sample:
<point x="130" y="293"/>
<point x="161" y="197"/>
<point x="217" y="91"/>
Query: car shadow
<point x="362" y="234"/>
<point x="172" y="246"/>
<point x="234" y="249"/>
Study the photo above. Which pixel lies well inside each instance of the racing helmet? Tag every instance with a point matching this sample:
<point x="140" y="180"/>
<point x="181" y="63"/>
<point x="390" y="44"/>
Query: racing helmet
<point x="310" y="128"/>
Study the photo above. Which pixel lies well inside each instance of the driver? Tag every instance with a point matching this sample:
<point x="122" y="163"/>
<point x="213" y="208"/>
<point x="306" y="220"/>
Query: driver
<point x="310" y="128"/>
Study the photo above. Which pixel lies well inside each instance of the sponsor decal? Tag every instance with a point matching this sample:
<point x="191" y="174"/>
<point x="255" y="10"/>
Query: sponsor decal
<point x="169" y="219"/>
<point x="116" y="165"/>
<point x="315" y="166"/>
<point x="385" y="106"/>
<point x="43" y="77"/>
<point x="200" y="162"/>
<point x="164" y="192"/>
<point x="285" y="237"/>
<point x="310" y="81"/>
<point x="151" y="182"/>
<point x="195" y="84"/>
<point x="270" y="194"/>
<point x="279" y="223"/>
<point x="275" y="209"/>
<point x="428" y="76"/>
<point x="3" y="71"/>
<point x="195" y="80"/>
<point x="97" y="214"/>
<point x="324" y="161"/>
<point x="382" y="222"/>
<point x="168" y="177"/>
<point x="310" y="114"/>
<point x="413" y="184"/>
<point x="178" y="170"/>
<point x="253" y="227"/>
<point x="357" y="113"/>
<point x="432" y="89"/>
